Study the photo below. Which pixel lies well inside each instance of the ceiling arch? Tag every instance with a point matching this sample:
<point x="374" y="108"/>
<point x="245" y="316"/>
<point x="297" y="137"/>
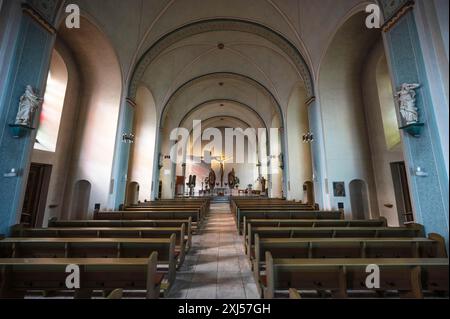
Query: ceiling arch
<point x="240" y="110"/>
<point x="239" y="83"/>
<point x="220" y="25"/>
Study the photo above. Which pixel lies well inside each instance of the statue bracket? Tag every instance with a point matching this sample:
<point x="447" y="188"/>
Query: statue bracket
<point x="414" y="129"/>
<point x="19" y="131"/>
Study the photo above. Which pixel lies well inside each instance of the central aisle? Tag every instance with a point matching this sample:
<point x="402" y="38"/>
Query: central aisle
<point x="216" y="267"/>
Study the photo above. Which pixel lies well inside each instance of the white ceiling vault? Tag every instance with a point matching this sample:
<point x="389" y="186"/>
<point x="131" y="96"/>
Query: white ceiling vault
<point x="250" y="53"/>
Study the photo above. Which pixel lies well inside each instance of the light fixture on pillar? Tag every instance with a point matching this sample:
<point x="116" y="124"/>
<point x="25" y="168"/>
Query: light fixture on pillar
<point x="281" y="160"/>
<point x="308" y="138"/>
<point x="160" y="161"/>
<point x="419" y="172"/>
<point x="128" y="138"/>
<point x="12" y="173"/>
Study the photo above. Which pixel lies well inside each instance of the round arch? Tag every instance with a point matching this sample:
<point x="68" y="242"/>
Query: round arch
<point x="221" y="25"/>
<point x="246" y="106"/>
<point x="222" y="75"/>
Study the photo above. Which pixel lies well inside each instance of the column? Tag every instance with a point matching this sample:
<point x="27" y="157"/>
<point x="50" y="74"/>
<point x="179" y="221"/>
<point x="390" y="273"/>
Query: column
<point x="407" y="65"/>
<point x="318" y="154"/>
<point x="125" y="131"/>
<point x="28" y="65"/>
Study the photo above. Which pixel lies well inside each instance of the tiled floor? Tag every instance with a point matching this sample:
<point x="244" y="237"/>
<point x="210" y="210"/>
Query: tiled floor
<point x="216" y="267"/>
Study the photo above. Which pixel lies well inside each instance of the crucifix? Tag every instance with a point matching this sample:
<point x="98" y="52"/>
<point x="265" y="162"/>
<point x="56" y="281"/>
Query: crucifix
<point x="222" y="160"/>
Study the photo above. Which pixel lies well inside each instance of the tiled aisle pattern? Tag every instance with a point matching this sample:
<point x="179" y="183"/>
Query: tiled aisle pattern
<point x="216" y="267"/>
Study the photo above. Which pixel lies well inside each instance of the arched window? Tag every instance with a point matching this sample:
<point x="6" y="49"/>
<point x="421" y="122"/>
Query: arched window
<point x="55" y="93"/>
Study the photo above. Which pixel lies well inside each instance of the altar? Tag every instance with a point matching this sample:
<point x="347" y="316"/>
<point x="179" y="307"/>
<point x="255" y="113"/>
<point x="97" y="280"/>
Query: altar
<point x="222" y="191"/>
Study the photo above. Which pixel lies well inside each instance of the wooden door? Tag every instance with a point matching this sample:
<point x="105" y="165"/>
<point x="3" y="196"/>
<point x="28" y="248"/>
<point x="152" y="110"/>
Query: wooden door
<point x="33" y="209"/>
<point x="402" y="193"/>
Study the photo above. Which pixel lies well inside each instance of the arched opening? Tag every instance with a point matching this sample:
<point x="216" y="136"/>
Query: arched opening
<point x="361" y="135"/>
<point x="80" y="200"/>
<point x="133" y="191"/>
<point x="97" y="73"/>
<point x="187" y="67"/>
<point x="52" y="145"/>
<point x="359" y="200"/>
<point x="209" y="101"/>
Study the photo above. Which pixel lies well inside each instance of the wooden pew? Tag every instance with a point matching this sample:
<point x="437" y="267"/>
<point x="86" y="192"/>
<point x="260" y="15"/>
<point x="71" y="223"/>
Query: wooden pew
<point x="127" y="224"/>
<point x="197" y="214"/>
<point x="285" y="214"/>
<point x="272" y="206"/>
<point x="95" y="248"/>
<point x="157" y="233"/>
<point x="414" y="231"/>
<point x="21" y="276"/>
<point x="249" y="201"/>
<point x="433" y="247"/>
<point x="203" y="205"/>
<point x="194" y="215"/>
<point x="382" y="222"/>
<point x="344" y="277"/>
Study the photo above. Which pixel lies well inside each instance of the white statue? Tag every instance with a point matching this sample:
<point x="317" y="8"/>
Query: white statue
<point x="407" y="100"/>
<point x="29" y="104"/>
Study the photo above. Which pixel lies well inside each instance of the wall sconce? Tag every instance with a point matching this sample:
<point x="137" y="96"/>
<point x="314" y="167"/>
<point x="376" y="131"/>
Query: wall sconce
<point x="128" y="138"/>
<point x="12" y="173"/>
<point x="419" y="172"/>
<point x="308" y="138"/>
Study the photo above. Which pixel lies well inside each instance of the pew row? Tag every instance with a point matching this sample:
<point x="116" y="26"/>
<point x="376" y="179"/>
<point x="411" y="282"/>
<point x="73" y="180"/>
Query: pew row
<point x="193" y="215"/>
<point x="285" y="214"/>
<point x="110" y="233"/>
<point x="127" y="224"/>
<point x="433" y="247"/>
<point x="382" y="222"/>
<point x="414" y="231"/>
<point x="19" y="277"/>
<point x="344" y="278"/>
<point x="95" y="248"/>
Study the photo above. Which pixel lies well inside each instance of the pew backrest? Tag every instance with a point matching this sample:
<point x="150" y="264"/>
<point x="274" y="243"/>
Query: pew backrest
<point x="24" y="275"/>
<point x="344" y="275"/>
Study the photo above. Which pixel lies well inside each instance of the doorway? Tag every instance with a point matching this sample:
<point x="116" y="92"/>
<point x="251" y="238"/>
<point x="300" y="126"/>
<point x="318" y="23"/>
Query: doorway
<point x="33" y="209"/>
<point x="402" y="194"/>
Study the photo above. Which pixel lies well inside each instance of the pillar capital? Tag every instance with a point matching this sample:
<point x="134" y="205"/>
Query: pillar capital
<point x="131" y="102"/>
<point x="310" y="101"/>
<point x="393" y="11"/>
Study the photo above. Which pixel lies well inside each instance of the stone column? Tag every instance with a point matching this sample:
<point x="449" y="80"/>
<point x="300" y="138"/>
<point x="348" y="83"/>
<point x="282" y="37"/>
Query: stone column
<point x="318" y="154"/>
<point x="29" y="65"/>
<point x="407" y="65"/>
<point x="122" y="153"/>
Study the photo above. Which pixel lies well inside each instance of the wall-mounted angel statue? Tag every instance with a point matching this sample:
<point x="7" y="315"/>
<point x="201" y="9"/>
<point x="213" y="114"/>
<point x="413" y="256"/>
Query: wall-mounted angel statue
<point x="28" y="105"/>
<point x="407" y="103"/>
